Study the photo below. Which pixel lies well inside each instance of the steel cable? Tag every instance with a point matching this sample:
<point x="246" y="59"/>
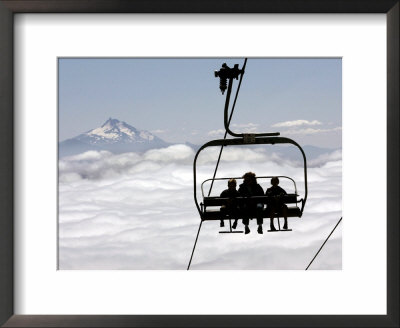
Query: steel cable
<point x="324" y="243"/>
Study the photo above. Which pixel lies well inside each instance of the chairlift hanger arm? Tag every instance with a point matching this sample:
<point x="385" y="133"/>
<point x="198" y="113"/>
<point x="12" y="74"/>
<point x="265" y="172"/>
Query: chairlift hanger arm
<point x="227" y="73"/>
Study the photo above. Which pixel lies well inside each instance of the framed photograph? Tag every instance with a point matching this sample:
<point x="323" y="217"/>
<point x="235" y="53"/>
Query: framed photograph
<point x="162" y="162"/>
<point x="156" y="157"/>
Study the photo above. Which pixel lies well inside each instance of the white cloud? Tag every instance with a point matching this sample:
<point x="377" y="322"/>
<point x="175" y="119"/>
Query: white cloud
<point x="310" y="131"/>
<point x="136" y="211"/>
<point x="335" y="156"/>
<point x="175" y="153"/>
<point x="216" y="133"/>
<point x="245" y="128"/>
<point x="288" y="124"/>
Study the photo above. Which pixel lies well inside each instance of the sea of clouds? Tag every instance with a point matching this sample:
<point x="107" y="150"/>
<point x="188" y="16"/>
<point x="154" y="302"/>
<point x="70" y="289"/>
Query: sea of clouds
<point x="137" y="211"/>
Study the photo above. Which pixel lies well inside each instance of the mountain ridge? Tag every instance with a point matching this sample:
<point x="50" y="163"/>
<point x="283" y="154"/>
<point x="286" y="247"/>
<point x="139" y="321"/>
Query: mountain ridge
<point x="113" y="135"/>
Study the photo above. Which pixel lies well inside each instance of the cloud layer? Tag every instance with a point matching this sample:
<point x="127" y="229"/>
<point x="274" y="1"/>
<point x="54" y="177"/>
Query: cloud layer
<point x="289" y="124"/>
<point x="136" y="211"/>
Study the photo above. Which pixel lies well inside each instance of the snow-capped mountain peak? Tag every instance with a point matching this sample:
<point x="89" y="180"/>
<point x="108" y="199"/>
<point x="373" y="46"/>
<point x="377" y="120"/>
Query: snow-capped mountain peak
<point x="115" y="131"/>
<point x="115" y="136"/>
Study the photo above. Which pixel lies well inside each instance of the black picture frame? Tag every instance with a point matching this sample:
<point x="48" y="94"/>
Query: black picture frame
<point x="10" y="7"/>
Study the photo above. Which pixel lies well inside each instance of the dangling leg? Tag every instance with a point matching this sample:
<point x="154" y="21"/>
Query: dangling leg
<point x="284" y="212"/>
<point x="272" y="227"/>
<point x="260" y="218"/>
<point x="234" y="225"/>
<point x="236" y="213"/>
<point x="246" y="225"/>
<point x="260" y="229"/>
<point x="233" y="214"/>
<point x="271" y="212"/>
<point x="223" y="214"/>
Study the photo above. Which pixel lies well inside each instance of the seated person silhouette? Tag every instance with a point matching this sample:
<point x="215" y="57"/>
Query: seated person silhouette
<point x="275" y="202"/>
<point x="249" y="188"/>
<point x="231" y="207"/>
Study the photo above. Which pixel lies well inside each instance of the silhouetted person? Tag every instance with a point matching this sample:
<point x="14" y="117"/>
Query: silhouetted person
<point x="231" y="207"/>
<point x="249" y="188"/>
<point x="275" y="202"/>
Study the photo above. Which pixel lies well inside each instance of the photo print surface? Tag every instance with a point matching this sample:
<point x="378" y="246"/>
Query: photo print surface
<point x="129" y="130"/>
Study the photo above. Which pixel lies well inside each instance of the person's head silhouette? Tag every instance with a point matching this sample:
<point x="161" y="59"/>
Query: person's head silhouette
<point x="249" y="178"/>
<point x="231" y="184"/>
<point x="275" y="181"/>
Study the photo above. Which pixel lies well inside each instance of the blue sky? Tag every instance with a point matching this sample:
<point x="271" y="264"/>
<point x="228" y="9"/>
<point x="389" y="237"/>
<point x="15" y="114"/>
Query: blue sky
<point x="179" y="99"/>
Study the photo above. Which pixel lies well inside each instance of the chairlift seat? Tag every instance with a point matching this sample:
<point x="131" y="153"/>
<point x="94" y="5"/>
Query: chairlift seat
<point x="220" y="201"/>
<point x="215" y="214"/>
